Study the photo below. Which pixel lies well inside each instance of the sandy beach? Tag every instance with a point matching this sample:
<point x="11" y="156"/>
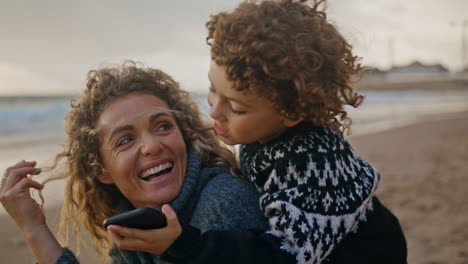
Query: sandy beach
<point x="424" y="169"/>
<point x="424" y="180"/>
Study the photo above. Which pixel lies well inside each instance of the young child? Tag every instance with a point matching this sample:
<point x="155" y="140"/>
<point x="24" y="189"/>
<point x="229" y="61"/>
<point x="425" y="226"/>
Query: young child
<point x="280" y="78"/>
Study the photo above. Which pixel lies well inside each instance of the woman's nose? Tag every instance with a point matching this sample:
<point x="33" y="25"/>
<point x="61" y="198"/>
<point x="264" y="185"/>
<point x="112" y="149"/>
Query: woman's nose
<point x="150" y="145"/>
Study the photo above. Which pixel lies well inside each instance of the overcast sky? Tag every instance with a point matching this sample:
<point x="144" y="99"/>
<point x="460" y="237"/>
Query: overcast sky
<point x="47" y="46"/>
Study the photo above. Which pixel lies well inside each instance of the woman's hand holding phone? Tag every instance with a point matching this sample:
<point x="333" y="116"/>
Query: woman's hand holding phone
<point x="155" y="241"/>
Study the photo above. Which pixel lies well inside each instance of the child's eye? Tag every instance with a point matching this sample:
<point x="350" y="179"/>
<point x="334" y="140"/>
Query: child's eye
<point x="237" y="112"/>
<point x="211" y="89"/>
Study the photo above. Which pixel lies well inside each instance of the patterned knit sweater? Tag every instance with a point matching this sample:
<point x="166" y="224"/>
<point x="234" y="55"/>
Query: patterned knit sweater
<point x="315" y="189"/>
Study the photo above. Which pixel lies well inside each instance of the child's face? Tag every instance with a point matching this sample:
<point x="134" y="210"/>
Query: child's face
<point x="241" y="117"/>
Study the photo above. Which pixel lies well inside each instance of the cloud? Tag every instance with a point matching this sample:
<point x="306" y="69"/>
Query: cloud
<point x="189" y="70"/>
<point x="59" y="41"/>
<point x="419" y="29"/>
<point x="18" y="80"/>
<point x="63" y="40"/>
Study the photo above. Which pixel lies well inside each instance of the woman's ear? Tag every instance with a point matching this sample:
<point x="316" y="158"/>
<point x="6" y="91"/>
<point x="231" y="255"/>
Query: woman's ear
<point x="105" y="178"/>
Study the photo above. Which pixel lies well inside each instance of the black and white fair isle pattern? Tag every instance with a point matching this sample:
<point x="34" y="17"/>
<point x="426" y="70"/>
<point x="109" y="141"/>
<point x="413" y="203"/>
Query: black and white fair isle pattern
<point x="315" y="189"/>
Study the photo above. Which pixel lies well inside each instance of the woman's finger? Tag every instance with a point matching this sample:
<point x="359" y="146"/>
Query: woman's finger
<point x="171" y="218"/>
<point x="131" y="243"/>
<point x="27" y="183"/>
<point x="128" y="243"/>
<point x="18" y="197"/>
<point x="13" y="175"/>
<point x="19" y="189"/>
<point x="8" y="171"/>
<point x="114" y="236"/>
<point x="20" y="164"/>
<point x="126" y="231"/>
<point x="16" y="174"/>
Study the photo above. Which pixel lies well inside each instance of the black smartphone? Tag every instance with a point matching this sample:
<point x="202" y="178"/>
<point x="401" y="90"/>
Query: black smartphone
<point x="142" y="218"/>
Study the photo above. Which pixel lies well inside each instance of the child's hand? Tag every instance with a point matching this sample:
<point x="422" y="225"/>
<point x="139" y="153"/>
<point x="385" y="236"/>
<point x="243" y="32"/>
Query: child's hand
<point x="155" y="241"/>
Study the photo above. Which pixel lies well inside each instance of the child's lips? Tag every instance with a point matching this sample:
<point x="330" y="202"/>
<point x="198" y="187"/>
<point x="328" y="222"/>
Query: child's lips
<point x="218" y="130"/>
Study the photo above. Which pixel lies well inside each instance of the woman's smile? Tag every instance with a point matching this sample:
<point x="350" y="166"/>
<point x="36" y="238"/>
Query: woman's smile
<point x="156" y="173"/>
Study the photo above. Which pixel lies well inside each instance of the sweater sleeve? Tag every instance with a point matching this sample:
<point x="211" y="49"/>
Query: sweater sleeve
<point x="67" y="257"/>
<point x="315" y="191"/>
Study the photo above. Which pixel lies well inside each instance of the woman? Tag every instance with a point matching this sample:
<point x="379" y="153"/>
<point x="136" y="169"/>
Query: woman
<point x="135" y="139"/>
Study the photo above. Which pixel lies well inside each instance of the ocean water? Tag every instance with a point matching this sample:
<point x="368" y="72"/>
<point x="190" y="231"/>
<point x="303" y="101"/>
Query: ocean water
<point x="32" y="114"/>
<point x="34" y="118"/>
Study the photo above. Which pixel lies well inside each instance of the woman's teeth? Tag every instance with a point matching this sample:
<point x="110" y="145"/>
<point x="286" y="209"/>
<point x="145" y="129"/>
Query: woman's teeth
<point x="155" y="171"/>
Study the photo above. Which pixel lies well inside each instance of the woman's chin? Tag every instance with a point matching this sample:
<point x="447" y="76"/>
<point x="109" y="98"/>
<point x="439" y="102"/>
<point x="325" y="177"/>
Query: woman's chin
<point x="163" y="195"/>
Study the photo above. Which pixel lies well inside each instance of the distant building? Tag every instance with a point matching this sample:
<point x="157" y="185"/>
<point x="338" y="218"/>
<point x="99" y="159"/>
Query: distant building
<point x="373" y="73"/>
<point x="414" y="71"/>
<point x="417" y="67"/>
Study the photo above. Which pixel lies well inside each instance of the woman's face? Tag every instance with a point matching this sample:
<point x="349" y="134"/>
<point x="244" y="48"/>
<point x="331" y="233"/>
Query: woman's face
<point x="142" y="148"/>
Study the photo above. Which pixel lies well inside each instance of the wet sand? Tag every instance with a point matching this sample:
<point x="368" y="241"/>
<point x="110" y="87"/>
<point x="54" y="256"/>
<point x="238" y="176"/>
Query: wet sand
<point x="424" y="169"/>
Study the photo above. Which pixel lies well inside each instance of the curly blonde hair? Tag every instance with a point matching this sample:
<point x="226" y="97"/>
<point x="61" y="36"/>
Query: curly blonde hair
<point x="287" y="52"/>
<point x="87" y="201"/>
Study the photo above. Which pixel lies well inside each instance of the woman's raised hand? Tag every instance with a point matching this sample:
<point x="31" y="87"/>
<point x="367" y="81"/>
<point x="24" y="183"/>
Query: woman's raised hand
<point x="16" y="198"/>
<point x="155" y="241"/>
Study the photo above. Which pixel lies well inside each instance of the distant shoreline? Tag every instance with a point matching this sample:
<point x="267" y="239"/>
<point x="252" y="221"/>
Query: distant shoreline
<point x="366" y="83"/>
<point x="34" y="98"/>
<point x="442" y="84"/>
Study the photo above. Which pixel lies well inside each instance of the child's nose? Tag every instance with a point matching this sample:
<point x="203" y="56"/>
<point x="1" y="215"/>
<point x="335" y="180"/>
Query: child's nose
<point x="216" y="110"/>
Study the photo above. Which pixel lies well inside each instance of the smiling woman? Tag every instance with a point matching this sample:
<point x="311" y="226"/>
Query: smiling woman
<point x="135" y="139"/>
<point x="134" y="129"/>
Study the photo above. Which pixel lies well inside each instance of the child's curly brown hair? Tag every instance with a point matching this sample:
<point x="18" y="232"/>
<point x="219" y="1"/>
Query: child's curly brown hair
<point x="287" y="52"/>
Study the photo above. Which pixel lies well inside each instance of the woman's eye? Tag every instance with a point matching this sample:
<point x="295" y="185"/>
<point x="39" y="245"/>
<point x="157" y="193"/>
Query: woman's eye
<point x="123" y="141"/>
<point x="164" y="127"/>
